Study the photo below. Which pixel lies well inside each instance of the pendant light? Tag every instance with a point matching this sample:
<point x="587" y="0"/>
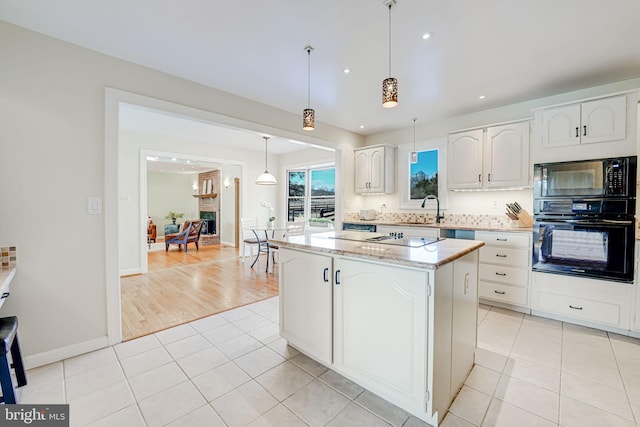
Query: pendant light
<point x="414" y="153"/>
<point x="308" y="115"/>
<point x="266" y="178"/>
<point x="390" y="84"/>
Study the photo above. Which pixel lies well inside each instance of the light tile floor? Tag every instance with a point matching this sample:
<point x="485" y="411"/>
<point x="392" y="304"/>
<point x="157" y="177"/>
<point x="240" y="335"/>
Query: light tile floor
<point x="233" y="369"/>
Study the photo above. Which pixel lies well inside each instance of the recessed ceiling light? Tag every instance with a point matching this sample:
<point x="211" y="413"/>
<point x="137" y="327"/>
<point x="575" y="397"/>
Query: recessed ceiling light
<point x="174" y="159"/>
<point x="361" y="126"/>
<point x="425" y="36"/>
<point x="481" y="97"/>
<point x="346" y="70"/>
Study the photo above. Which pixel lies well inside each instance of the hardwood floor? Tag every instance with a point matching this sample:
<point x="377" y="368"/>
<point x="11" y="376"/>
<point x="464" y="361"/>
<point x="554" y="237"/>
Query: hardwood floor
<point x="181" y="287"/>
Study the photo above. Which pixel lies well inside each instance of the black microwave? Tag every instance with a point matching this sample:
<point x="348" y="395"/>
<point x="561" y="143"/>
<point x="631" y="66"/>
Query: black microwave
<point x="612" y="177"/>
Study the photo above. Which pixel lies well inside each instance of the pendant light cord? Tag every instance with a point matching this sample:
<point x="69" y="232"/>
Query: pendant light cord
<point x="266" y="138"/>
<point x="309" y="77"/>
<point x="414" y="133"/>
<point x="389" y="39"/>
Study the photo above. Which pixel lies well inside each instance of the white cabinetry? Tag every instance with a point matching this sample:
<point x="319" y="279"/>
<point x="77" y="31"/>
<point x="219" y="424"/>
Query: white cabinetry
<point x="505" y="262"/>
<point x="464" y="163"/>
<point x="495" y="157"/>
<point x="306" y="302"/>
<point x="380" y="331"/>
<point x="375" y="169"/>
<point x="602" y="127"/>
<point x="426" y="232"/>
<point x="596" y="303"/>
<point x="406" y="334"/>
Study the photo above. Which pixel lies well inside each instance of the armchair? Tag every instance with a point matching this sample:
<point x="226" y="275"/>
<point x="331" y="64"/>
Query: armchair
<point x="190" y="234"/>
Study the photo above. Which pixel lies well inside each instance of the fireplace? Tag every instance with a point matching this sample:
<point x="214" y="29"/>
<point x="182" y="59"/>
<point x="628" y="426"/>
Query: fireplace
<point x="209" y="222"/>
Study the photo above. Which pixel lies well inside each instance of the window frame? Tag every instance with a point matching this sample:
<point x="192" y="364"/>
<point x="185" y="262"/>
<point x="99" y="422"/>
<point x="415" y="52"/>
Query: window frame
<point x="404" y="170"/>
<point x="307" y="189"/>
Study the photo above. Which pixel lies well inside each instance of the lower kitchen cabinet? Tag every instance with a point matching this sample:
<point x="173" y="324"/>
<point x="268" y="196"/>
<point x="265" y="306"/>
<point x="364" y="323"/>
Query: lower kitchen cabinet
<point x="380" y="328"/>
<point x="505" y="261"/>
<point x="595" y="303"/>
<point x="406" y="334"/>
<point x="305" y="283"/>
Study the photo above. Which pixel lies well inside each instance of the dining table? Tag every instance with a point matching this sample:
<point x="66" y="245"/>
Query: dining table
<point x="263" y="234"/>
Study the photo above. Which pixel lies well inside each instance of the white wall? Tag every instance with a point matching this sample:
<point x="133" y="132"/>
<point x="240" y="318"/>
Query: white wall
<point x="170" y="192"/>
<point x="52" y="158"/>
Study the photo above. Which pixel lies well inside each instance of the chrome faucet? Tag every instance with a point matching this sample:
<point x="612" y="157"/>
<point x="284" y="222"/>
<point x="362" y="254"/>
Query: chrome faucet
<point x="431" y="196"/>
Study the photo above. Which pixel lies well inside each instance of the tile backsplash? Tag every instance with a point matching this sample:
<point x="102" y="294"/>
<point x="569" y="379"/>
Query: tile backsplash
<point x="466" y="220"/>
<point x="8" y="256"/>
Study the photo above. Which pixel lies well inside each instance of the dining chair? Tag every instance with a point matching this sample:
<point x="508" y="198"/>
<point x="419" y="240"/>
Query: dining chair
<point x="249" y="238"/>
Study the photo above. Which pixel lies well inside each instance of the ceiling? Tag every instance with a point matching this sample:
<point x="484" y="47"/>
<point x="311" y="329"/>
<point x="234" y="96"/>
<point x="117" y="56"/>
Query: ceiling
<point x="507" y="50"/>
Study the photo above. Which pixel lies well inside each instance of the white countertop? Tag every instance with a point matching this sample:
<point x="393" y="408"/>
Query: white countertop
<point x="431" y="256"/>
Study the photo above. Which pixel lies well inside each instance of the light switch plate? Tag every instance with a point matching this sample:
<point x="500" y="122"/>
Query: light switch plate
<point x="94" y="206"/>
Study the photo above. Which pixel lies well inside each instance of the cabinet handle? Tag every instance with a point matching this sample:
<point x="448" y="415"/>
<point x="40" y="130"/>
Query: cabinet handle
<point x="500" y="239"/>
<point x="337" y="277"/>
<point x="585" y="131"/>
<point x="500" y="292"/>
<point x="489" y="177"/>
<point x="479" y="177"/>
<point x="500" y="274"/>
<point x="577" y="132"/>
<point x="324" y="275"/>
<point x="4" y="295"/>
<point x="501" y="255"/>
<point x="575" y="308"/>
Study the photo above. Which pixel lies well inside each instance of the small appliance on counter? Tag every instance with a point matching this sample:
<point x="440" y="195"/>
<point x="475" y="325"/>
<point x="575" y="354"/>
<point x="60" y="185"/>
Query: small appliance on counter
<point x="367" y="214"/>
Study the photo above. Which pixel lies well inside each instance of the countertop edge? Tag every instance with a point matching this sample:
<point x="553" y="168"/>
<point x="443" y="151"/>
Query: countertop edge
<point x="463" y="248"/>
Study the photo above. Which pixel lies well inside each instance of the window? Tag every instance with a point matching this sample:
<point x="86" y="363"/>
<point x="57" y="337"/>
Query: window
<point x="423" y="179"/>
<point x="427" y="176"/>
<point x="311" y="194"/>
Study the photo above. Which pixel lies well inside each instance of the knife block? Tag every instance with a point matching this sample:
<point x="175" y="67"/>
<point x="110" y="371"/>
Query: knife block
<point x="525" y="218"/>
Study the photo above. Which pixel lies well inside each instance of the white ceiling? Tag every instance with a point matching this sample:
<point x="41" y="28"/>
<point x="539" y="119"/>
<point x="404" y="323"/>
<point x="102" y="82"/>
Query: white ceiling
<point x="508" y="50"/>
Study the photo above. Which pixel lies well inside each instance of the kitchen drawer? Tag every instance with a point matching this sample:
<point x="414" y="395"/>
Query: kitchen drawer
<point x="509" y="275"/>
<point x="503" y="293"/>
<point x="512" y="240"/>
<point x="504" y="256"/>
<point x="581" y="308"/>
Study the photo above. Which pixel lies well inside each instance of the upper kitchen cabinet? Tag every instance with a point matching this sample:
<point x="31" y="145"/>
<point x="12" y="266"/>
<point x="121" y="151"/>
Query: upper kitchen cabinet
<point x="594" y="128"/>
<point x="465" y="159"/>
<point x="489" y="158"/>
<point x="375" y="169"/>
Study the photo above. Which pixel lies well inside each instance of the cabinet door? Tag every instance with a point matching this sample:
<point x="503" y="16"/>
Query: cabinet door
<point x="363" y="171"/>
<point x="506" y="159"/>
<point x="305" y="302"/>
<point x="465" y="160"/>
<point x="380" y="328"/>
<point x="377" y="170"/>
<point x="604" y="120"/>
<point x="561" y="126"/>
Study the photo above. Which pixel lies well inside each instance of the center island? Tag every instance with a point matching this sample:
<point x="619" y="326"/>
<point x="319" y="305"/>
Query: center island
<point x="394" y="314"/>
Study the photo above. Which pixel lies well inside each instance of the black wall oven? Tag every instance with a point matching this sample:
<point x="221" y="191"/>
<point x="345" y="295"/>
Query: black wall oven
<point x="584" y="218"/>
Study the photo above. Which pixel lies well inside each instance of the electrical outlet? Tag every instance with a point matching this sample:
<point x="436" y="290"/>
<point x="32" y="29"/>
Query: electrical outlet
<point x="494" y="204"/>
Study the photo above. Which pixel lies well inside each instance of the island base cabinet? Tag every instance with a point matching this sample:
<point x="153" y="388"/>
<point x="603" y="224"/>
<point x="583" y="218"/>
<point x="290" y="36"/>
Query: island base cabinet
<point x="306" y="302"/>
<point x="380" y="329"/>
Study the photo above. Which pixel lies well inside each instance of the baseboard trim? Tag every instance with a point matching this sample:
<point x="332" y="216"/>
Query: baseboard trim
<point x="130" y="272"/>
<point x="58" y="354"/>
